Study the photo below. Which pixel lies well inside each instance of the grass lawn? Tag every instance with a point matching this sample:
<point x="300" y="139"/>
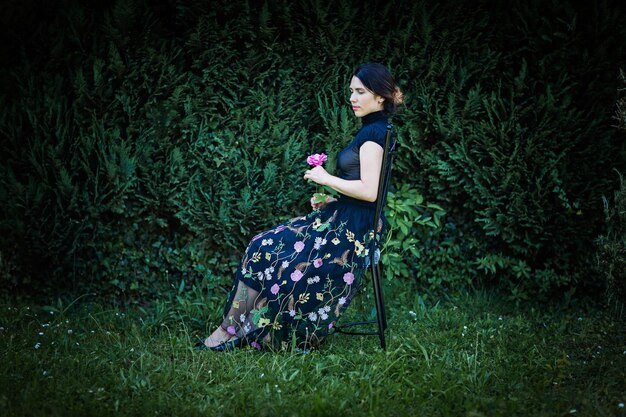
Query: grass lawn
<point x="473" y="355"/>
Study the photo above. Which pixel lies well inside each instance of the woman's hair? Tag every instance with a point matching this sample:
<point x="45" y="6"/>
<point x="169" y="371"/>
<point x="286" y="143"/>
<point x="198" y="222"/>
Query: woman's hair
<point x="378" y="79"/>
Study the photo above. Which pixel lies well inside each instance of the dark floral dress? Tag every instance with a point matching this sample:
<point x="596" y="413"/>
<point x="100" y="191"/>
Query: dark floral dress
<point x="296" y="279"/>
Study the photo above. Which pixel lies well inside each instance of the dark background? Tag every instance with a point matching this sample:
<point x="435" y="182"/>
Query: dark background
<point x="144" y="143"/>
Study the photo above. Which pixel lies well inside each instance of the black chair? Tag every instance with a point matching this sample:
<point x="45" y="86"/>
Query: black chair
<point x="374" y="253"/>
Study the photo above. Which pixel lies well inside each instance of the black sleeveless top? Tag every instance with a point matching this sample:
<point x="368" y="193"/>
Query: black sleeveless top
<point x="374" y="129"/>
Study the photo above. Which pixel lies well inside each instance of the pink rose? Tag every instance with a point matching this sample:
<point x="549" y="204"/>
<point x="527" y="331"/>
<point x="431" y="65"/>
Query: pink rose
<point x="348" y="277"/>
<point x="298" y="246"/>
<point x="296" y="275"/>
<point x="318" y="262"/>
<point x="275" y="288"/>
<point x="316" y="159"/>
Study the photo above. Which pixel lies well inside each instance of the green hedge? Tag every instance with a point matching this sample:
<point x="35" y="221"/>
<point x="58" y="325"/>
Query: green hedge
<point x="611" y="244"/>
<point x="145" y="145"/>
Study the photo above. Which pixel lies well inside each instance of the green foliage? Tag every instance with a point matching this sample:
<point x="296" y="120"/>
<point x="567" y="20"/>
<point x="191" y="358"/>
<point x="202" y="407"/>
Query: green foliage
<point x="407" y="215"/>
<point x="139" y="139"/>
<point x="611" y="245"/>
<point x="513" y="156"/>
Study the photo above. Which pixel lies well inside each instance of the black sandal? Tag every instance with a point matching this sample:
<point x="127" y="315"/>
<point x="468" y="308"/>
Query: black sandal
<point x="224" y="346"/>
<point x="231" y="344"/>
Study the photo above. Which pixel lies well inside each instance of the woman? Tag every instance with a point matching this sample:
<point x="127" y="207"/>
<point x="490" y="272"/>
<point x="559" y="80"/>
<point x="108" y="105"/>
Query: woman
<point x="296" y="279"/>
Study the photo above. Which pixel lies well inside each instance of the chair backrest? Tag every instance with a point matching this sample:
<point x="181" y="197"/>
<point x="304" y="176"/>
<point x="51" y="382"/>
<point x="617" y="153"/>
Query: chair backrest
<point x="389" y="152"/>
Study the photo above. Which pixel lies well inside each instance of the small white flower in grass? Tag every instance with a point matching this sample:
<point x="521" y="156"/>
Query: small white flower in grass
<point x="573" y="411"/>
<point x="500" y="318"/>
<point x="69" y="331"/>
<point x="40" y="333"/>
<point x="1" y="329"/>
<point x="262" y="375"/>
<point x="77" y="344"/>
<point x="620" y="405"/>
<point x="37" y="345"/>
<point x="45" y="325"/>
<point x="45" y="373"/>
<point x="412" y="314"/>
<point x="132" y="349"/>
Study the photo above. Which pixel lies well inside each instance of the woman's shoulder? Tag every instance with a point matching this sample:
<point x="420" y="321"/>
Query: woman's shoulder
<point x="375" y="132"/>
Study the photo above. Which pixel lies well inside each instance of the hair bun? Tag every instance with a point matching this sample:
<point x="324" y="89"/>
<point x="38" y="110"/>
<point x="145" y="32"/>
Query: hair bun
<point x="398" y="97"/>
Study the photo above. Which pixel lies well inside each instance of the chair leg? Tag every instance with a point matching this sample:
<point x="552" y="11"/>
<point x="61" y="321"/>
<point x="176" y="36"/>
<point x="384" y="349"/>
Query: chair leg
<point x="383" y="311"/>
<point x="381" y="317"/>
<point x="380" y="307"/>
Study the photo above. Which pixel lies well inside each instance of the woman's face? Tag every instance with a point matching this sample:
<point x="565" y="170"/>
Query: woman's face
<point x="363" y="100"/>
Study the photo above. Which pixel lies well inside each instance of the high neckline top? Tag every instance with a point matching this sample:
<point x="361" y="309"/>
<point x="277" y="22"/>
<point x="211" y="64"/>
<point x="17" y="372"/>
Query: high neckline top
<point x="374" y="117"/>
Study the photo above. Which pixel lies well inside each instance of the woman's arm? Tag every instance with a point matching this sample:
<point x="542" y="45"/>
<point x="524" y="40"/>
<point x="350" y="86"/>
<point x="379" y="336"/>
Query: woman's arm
<point x="371" y="159"/>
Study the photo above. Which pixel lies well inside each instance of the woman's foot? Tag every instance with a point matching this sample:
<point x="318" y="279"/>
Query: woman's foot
<point x="218" y="337"/>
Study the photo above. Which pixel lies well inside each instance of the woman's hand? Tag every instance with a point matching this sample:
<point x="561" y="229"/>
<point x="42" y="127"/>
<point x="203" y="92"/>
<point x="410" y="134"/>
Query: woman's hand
<point x="318" y="175"/>
<point x="315" y="205"/>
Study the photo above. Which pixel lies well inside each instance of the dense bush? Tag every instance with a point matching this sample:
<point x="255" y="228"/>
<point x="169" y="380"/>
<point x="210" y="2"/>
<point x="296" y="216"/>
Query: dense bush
<point x="144" y="145"/>
<point x="611" y="245"/>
